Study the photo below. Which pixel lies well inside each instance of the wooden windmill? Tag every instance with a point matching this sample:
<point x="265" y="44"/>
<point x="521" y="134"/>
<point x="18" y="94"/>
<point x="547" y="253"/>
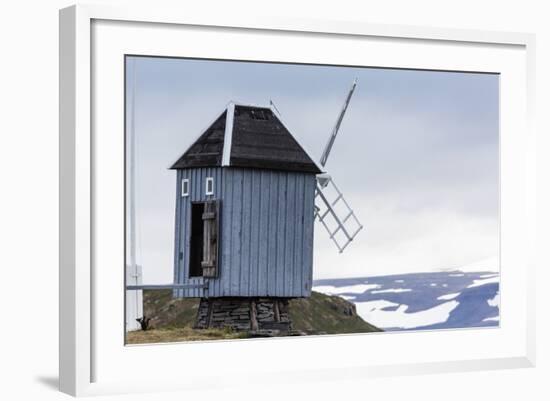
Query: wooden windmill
<point x="246" y="194"/>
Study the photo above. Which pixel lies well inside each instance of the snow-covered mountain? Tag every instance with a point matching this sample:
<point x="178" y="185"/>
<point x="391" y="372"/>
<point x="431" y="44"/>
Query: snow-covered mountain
<point x="422" y="301"/>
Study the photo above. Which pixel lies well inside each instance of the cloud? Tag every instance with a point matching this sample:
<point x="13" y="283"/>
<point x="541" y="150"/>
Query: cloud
<point x="396" y="241"/>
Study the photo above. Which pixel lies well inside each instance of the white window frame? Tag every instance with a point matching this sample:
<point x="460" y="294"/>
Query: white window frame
<point x="185" y="187"/>
<point x="209" y="180"/>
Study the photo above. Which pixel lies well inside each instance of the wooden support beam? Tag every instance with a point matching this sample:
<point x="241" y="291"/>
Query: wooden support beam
<point x="253" y="318"/>
<point x="164" y="286"/>
<point x="276" y="312"/>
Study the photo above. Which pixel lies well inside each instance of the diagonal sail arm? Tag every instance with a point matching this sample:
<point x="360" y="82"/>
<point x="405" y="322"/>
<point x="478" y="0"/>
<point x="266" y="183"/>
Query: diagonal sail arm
<point x="336" y="128"/>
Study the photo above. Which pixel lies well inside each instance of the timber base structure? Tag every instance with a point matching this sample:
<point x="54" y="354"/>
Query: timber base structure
<point x="256" y="315"/>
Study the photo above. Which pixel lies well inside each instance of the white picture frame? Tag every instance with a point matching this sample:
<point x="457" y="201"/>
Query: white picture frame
<point x="90" y="346"/>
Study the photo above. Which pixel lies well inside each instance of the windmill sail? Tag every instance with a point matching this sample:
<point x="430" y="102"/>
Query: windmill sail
<point x="336" y="128"/>
<point x="334" y="212"/>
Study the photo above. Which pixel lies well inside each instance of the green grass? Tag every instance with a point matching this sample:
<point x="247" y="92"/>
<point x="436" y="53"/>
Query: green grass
<point x="324" y="314"/>
<point x="177" y="334"/>
<point x="173" y="319"/>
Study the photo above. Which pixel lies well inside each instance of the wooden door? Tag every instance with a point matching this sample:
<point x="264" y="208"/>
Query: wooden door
<point x="211" y="219"/>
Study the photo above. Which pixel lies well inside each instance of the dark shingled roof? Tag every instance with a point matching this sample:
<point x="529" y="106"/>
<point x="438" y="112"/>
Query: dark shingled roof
<point x="208" y="149"/>
<point x="258" y="140"/>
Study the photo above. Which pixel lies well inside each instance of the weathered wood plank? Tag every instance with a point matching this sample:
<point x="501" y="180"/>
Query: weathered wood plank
<point x="309" y="221"/>
<point x="216" y="285"/>
<point x="298" y="234"/>
<point x="289" y="265"/>
<point x="196" y="179"/>
<point x="264" y="235"/>
<point x="177" y="239"/>
<point x="253" y="315"/>
<point x="272" y="239"/>
<point x="255" y="225"/>
<point x="281" y="232"/>
<point x="236" y="224"/>
<point x="219" y="184"/>
<point x="246" y="232"/>
<point x="225" y="272"/>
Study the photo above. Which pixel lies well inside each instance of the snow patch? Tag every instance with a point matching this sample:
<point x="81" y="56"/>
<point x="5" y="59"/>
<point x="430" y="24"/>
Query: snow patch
<point x="448" y="297"/>
<point x="399" y="281"/>
<point x="371" y="306"/>
<point x="397" y="290"/>
<point x="492" y="319"/>
<point x="456" y="275"/>
<point x="372" y="312"/>
<point x="349" y="289"/>
<point x="494" y="301"/>
<point x="483" y="281"/>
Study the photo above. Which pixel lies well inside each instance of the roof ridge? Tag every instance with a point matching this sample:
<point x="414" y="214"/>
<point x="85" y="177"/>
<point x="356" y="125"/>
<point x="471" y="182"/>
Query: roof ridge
<point x="228" y="134"/>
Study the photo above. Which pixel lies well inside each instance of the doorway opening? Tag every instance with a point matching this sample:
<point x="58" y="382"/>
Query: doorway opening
<point x="197" y="240"/>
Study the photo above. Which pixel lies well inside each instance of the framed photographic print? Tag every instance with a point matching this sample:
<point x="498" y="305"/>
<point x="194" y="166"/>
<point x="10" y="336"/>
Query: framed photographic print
<point x="309" y="194"/>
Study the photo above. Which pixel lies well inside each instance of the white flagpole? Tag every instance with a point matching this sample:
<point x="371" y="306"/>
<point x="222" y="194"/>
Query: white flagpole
<point x="134" y="299"/>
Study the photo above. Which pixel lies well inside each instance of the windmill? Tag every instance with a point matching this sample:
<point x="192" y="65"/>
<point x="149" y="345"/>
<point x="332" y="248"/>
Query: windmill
<point x="334" y="212"/>
<point x="247" y="197"/>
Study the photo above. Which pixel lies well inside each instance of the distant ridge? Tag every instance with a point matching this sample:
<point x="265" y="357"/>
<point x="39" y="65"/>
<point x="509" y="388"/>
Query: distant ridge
<point x="484" y="265"/>
<point x="423" y="301"/>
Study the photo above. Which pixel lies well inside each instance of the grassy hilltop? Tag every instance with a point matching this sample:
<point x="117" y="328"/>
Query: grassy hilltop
<point x="173" y="319"/>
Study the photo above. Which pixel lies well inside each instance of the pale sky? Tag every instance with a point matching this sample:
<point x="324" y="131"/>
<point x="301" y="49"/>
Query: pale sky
<point x="416" y="157"/>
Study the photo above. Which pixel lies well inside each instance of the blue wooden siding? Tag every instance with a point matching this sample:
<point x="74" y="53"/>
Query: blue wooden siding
<point x="197" y="193"/>
<point x="266" y="232"/>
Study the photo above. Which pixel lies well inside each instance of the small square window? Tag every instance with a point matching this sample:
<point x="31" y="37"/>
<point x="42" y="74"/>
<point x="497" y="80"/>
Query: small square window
<point x="210" y="186"/>
<point x="185" y="187"/>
